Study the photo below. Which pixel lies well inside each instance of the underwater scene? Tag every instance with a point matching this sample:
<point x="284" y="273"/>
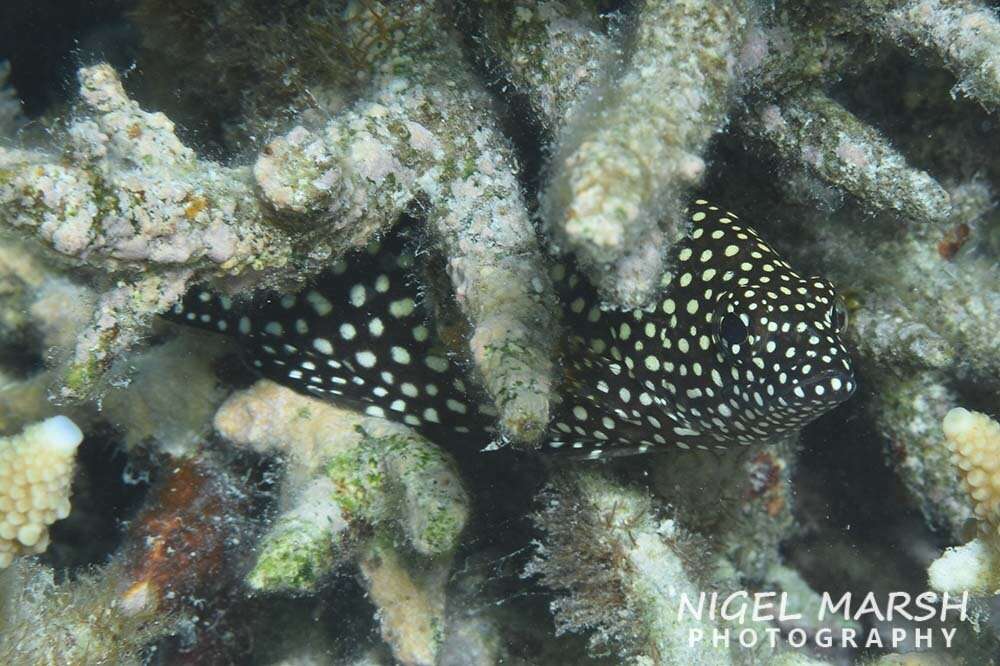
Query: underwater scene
<point x="515" y="332"/>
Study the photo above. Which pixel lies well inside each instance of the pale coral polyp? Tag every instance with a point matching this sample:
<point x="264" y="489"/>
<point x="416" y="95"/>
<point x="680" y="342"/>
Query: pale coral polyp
<point x="36" y="472"/>
<point x="974" y="441"/>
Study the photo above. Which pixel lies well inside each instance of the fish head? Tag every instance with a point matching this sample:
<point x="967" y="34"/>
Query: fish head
<point x="750" y="348"/>
<point x="781" y="342"/>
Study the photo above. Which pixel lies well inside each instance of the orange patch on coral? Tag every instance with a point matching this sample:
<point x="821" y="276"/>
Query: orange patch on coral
<point x="953" y="241"/>
<point x="180" y="544"/>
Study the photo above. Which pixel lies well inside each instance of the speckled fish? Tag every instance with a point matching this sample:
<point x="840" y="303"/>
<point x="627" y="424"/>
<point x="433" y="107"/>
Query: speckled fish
<point x="739" y="348"/>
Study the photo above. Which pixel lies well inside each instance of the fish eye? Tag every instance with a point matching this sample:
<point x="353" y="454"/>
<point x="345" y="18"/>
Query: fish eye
<point x="840" y="317"/>
<point x="732" y="330"/>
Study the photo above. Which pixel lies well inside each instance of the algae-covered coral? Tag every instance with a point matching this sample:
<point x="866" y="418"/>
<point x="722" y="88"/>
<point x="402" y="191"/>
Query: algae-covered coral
<point x="248" y="146"/>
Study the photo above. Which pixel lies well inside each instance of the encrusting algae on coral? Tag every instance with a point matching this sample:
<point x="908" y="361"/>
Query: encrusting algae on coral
<point x="358" y="489"/>
<point x="36" y="471"/>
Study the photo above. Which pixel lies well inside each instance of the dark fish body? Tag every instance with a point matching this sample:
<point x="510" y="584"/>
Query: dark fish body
<point x="739" y="347"/>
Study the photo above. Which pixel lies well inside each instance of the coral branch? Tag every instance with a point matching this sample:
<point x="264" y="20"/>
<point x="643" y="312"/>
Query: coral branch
<point x="812" y="130"/>
<point x="305" y="542"/>
<point x="411" y="603"/>
<point x="350" y="477"/>
<point x="551" y="51"/>
<point x="435" y="140"/>
<point x="120" y="316"/>
<point x="964" y="35"/>
<point x="142" y="200"/>
<point x="502" y="286"/>
<point x="380" y="470"/>
<point x="974" y="442"/>
<point x="894" y="338"/>
<point x="606" y="549"/>
<point x="614" y="178"/>
<point x="791" y="47"/>
<point x="135" y="196"/>
<point x="36" y="470"/>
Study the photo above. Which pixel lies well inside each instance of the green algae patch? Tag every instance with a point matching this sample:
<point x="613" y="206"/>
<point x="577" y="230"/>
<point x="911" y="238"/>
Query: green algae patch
<point x="294" y="559"/>
<point x="357" y="479"/>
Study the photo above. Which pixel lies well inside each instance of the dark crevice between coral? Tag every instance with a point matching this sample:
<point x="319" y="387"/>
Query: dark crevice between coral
<point x="46" y="42"/>
<point x="855" y="514"/>
<point x="107" y="489"/>
<point x="909" y="114"/>
<point x="21" y="356"/>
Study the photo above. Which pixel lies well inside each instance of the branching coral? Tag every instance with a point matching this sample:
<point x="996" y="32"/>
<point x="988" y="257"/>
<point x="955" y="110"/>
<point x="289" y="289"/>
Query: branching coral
<point x="909" y="416"/>
<point x="337" y="118"/>
<point x="552" y="53"/>
<point x="812" y="130"/>
<point x="785" y="51"/>
<point x="616" y="186"/>
<point x="964" y="35"/>
<point x="36" y="470"/>
<point x="352" y="483"/>
<point x="424" y="132"/>
<point x="135" y="197"/>
<point x="974" y="442"/>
